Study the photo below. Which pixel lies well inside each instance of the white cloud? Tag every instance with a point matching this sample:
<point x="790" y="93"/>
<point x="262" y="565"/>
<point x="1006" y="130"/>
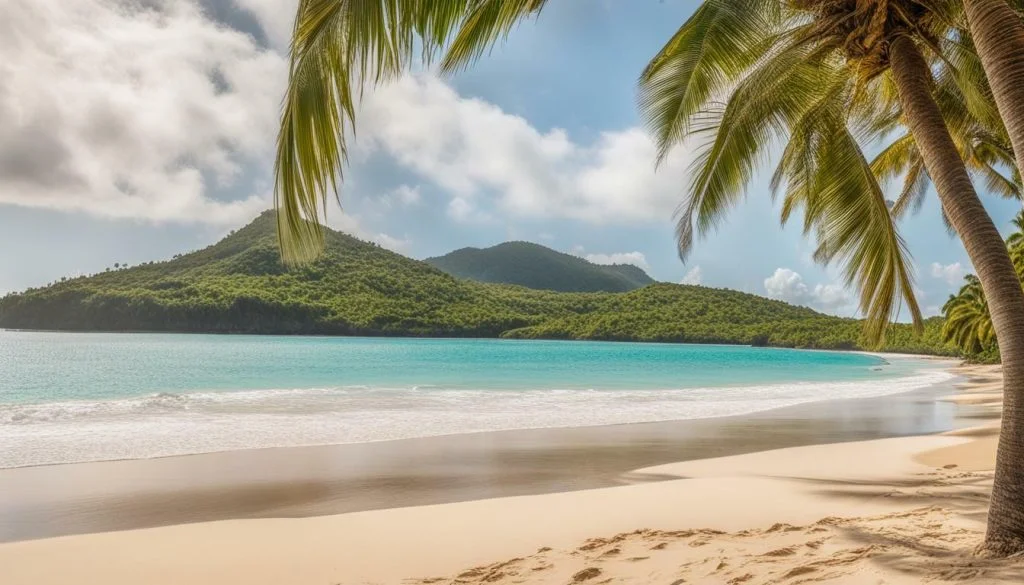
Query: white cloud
<point x="344" y="222"/>
<point x="351" y="225"/>
<point x="472" y="148"/>
<point x="464" y="210"/>
<point x="155" y="111"/>
<point x="391" y="243"/>
<point x="130" y="111"/>
<point x="693" y="276"/>
<point x="786" y="285"/>
<point x="635" y="258"/>
<point x="276" y="17"/>
<point x="830" y="297"/>
<point x="953" y="273"/>
<point x="402" y="196"/>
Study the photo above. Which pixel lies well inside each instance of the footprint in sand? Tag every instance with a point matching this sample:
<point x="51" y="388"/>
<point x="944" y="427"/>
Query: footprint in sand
<point x="586" y="575"/>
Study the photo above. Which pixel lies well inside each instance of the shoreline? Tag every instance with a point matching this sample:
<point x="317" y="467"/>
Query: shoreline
<point x="951" y="381"/>
<point x="854" y="389"/>
<point x="896" y="511"/>
<point x="499" y="337"/>
<point x="344" y="478"/>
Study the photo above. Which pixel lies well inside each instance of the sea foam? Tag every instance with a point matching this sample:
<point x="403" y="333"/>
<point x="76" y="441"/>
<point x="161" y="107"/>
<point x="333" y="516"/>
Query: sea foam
<point x="167" y="424"/>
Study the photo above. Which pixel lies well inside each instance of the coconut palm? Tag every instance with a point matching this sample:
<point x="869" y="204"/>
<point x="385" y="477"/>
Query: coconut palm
<point x="962" y="92"/>
<point x="899" y="42"/>
<point x="1015" y="243"/>
<point x="1017" y="237"/>
<point x="740" y="76"/>
<point x="999" y="32"/>
<point x="985" y="151"/>
<point x="967" y="321"/>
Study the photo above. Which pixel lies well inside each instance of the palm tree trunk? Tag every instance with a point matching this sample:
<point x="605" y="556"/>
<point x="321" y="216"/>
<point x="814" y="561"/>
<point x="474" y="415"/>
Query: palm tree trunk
<point x="998" y="33"/>
<point x="988" y="253"/>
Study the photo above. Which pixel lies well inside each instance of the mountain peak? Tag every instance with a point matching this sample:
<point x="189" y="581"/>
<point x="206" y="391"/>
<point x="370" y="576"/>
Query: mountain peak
<point x="535" y="266"/>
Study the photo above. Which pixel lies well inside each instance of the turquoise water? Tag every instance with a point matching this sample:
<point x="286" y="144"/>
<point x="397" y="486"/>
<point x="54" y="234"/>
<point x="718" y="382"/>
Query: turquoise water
<point x="76" y="397"/>
<point x="42" y="367"/>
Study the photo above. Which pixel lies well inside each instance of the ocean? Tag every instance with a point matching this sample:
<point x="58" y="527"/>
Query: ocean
<point x="71" y="397"/>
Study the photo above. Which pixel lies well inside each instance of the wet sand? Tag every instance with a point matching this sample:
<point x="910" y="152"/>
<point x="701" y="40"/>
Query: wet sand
<point x="56" y="500"/>
<point x="898" y="511"/>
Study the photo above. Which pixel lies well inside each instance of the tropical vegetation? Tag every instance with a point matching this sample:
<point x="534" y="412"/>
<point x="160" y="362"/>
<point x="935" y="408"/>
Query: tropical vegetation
<point x="968" y="323"/>
<point x="823" y="78"/>
<point x="239" y="285"/>
<point x="535" y="266"/>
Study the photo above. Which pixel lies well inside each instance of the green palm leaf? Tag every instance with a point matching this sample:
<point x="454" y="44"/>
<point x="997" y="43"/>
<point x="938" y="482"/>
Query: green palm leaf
<point x="715" y="45"/>
<point x="339" y="48"/>
<point x="738" y="78"/>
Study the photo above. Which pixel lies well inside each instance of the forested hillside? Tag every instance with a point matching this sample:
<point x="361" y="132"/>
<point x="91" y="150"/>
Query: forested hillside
<point x="357" y="288"/>
<point x="535" y="266"/>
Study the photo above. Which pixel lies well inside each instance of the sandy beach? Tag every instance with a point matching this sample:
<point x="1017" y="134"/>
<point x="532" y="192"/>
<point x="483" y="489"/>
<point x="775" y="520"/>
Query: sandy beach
<point x="897" y="510"/>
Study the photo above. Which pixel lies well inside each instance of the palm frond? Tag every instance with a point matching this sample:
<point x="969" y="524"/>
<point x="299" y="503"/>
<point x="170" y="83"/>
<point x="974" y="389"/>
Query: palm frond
<point x="488" y="22"/>
<point x="756" y="115"/>
<point x="825" y="173"/>
<point x="964" y="72"/>
<point x="341" y="47"/>
<point x="719" y="42"/>
<point x="894" y="159"/>
<point x="998" y="183"/>
<point x="967" y="321"/>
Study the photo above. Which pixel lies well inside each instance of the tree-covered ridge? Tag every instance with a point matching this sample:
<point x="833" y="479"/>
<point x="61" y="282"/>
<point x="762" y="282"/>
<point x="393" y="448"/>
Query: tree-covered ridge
<point x="357" y="288"/>
<point x="535" y="266"/>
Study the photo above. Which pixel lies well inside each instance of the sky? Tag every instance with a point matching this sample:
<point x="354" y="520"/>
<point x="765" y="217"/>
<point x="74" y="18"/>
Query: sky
<point x="133" y="130"/>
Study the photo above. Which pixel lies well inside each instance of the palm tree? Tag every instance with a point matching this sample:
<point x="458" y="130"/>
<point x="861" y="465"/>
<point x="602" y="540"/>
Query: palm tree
<point x="999" y="34"/>
<point x="968" y="324"/>
<point x="979" y="136"/>
<point x="1015" y="243"/>
<point x="962" y="92"/>
<point x="881" y="41"/>
<point x="804" y="72"/>
<point x="1017" y="237"/>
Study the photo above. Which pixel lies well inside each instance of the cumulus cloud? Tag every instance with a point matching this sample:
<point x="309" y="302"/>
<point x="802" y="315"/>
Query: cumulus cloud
<point x="830" y="297"/>
<point x="693" y="276"/>
<point x="132" y="110"/>
<point x="351" y="225"/>
<point x="168" y="110"/>
<point x="472" y="149"/>
<point x="953" y="273"/>
<point x="402" y="196"/>
<point x="635" y="258"/>
<point x="787" y="285"/>
<point x="400" y="245"/>
<point x="464" y="210"/>
<point x="275" y="17"/>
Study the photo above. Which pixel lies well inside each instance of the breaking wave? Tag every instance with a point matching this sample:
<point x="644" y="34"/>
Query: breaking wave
<point x="166" y="424"/>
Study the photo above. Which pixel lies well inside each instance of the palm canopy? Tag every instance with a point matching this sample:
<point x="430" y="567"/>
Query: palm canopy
<point x="962" y="92"/>
<point x="338" y="48"/>
<point x="1015" y="243"/>
<point x="968" y="323"/>
<point x="741" y="77"/>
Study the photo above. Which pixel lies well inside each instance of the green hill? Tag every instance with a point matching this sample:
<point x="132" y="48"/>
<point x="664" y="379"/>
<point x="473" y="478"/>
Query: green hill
<point x="238" y="285"/>
<point x="538" y="267"/>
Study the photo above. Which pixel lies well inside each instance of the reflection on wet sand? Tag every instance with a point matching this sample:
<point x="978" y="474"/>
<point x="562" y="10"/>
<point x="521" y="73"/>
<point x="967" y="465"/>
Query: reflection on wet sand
<point x="307" y="481"/>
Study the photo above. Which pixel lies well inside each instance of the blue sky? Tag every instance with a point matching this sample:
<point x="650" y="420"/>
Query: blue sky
<point x="160" y="137"/>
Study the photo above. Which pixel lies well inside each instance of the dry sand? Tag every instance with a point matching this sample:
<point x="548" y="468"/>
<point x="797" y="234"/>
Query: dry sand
<point x="893" y="511"/>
